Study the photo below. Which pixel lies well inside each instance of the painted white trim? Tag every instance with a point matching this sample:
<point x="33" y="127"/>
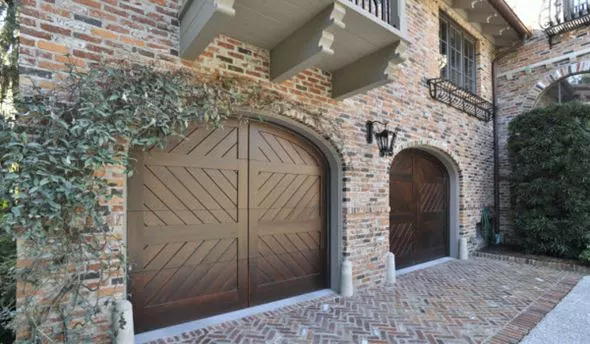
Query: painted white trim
<point x="219" y="319"/>
<point x="424" y="265"/>
<point x="548" y="62"/>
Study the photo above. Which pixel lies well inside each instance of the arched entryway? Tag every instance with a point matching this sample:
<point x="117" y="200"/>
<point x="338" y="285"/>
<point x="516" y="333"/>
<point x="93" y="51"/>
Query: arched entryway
<point x="419" y="202"/>
<point x="225" y="219"/>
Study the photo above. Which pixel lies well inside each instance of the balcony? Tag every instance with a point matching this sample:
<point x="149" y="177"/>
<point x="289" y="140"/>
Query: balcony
<point x="358" y="41"/>
<point x="560" y="16"/>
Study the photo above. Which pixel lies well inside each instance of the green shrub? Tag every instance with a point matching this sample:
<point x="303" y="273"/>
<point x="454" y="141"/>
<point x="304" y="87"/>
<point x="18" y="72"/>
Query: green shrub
<point x="550" y="182"/>
<point x="7" y="287"/>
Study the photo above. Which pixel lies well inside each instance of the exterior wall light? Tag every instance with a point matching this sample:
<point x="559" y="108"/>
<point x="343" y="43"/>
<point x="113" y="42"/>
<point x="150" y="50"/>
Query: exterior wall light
<point x="385" y="139"/>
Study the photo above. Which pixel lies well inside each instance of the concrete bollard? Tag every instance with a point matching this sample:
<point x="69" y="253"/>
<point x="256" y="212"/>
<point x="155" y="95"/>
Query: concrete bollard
<point x="123" y="322"/>
<point x="463" y="249"/>
<point x="346" y="288"/>
<point x="390" y="269"/>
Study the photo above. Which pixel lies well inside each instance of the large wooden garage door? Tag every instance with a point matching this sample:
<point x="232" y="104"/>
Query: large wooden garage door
<point x="419" y="204"/>
<point x="224" y="219"/>
<point x="287" y="240"/>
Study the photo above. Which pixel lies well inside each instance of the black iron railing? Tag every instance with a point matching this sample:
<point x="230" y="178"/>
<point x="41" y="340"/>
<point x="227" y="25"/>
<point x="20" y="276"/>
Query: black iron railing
<point x="450" y="94"/>
<point x="382" y="9"/>
<point x="560" y="16"/>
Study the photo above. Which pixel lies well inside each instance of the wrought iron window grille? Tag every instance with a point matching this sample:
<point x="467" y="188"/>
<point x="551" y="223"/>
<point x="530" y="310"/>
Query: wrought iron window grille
<point x="561" y="16"/>
<point x="447" y="92"/>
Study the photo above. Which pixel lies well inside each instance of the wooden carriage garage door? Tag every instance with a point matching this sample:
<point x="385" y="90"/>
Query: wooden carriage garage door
<point x="222" y="220"/>
<point x="419" y="204"/>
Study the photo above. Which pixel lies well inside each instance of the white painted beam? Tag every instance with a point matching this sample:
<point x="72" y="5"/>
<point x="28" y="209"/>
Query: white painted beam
<point x="369" y="72"/>
<point x="201" y="23"/>
<point x="308" y="45"/>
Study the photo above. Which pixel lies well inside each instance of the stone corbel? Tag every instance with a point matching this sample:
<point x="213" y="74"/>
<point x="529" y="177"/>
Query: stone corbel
<point x="201" y="23"/>
<point x="368" y="72"/>
<point x="307" y="46"/>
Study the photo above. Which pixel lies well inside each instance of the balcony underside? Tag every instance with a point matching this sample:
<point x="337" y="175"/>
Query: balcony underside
<point x="491" y="23"/>
<point x="334" y="35"/>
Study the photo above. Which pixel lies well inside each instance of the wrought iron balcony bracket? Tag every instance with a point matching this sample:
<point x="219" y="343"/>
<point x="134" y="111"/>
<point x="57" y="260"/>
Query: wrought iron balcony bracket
<point x="561" y="16"/>
<point x="570" y="25"/>
<point x="447" y="92"/>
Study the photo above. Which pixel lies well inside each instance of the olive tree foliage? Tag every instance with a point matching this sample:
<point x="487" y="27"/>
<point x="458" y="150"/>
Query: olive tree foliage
<point x="550" y="181"/>
<point x="56" y="202"/>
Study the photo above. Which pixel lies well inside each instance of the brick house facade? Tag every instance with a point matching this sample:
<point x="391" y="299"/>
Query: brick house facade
<point x="523" y="75"/>
<point x="81" y="32"/>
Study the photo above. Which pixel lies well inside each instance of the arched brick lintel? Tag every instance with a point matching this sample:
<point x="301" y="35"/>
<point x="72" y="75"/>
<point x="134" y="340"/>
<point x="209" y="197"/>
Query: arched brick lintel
<point x="551" y="78"/>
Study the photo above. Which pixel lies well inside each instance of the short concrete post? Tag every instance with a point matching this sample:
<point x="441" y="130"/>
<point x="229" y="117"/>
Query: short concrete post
<point x="390" y="269"/>
<point x="346" y="289"/>
<point x="463" y="249"/>
<point x="123" y="323"/>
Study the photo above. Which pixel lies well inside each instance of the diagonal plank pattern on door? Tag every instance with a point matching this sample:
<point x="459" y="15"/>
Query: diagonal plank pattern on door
<point x="419" y="204"/>
<point x="222" y="219"/>
<point x="286" y="221"/>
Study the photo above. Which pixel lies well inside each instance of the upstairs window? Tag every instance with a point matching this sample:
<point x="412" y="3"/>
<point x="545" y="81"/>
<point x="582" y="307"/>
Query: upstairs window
<point x="457" y="49"/>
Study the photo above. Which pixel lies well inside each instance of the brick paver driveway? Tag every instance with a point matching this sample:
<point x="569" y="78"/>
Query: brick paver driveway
<point x="474" y="301"/>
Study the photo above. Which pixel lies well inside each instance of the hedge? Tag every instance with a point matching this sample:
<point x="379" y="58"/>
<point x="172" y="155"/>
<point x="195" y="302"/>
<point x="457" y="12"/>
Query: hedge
<point x="550" y="181"/>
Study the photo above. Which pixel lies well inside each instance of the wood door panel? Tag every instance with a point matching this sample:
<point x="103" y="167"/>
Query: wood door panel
<point x="419" y="208"/>
<point x="287" y="227"/>
<point x="188" y="228"/>
<point x="222" y="219"/>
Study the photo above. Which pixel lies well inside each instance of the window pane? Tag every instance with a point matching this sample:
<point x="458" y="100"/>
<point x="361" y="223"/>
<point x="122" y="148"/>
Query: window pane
<point x="443" y="30"/>
<point x="459" y="47"/>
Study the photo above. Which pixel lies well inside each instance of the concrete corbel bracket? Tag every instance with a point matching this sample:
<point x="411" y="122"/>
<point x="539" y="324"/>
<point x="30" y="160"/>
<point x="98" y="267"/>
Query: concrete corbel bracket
<point x="337" y="16"/>
<point x="400" y="55"/>
<point x="308" y="45"/>
<point x="226" y="7"/>
<point x="199" y="25"/>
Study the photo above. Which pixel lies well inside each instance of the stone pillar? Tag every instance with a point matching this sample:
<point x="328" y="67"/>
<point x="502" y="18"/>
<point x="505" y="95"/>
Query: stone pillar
<point x="390" y="269"/>
<point x="123" y="322"/>
<point x="346" y="288"/>
<point x="463" y="249"/>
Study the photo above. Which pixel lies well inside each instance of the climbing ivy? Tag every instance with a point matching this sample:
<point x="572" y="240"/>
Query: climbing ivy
<point x="53" y="154"/>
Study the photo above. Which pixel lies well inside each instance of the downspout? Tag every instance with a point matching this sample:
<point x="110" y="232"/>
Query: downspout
<point x="514" y="21"/>
<point x="496" y="140"/>
<point x="496" y="150"/>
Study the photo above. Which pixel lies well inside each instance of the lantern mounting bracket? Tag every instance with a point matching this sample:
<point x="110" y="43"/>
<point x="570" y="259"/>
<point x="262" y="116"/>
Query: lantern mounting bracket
<point x="385" y="139"/>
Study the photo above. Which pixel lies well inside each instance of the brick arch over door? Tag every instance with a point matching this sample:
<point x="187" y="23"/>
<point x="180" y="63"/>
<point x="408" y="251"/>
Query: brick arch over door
<point x="550" y="78"/>
<point x="452" y="163"/>
<point x="224" y="219"/>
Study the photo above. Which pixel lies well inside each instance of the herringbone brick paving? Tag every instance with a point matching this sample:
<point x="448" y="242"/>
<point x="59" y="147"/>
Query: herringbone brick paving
<point x="471" y="301"/>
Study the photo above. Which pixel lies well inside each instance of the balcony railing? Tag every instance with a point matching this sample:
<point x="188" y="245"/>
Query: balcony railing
<point x="386" y="10"/>
<point x="560" y="16"/>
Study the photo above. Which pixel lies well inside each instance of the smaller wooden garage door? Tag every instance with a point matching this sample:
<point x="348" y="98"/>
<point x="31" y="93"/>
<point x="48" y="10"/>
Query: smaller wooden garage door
<point x="419" y="202"/>
<point x="222" y="220"/>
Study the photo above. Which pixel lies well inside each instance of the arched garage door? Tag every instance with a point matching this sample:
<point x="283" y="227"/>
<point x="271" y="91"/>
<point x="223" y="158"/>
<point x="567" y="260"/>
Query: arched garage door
<point x="419" y="202"/>
<point x="225" y="219"/>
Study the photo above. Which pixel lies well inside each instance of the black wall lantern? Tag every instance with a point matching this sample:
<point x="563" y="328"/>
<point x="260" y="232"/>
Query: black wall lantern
<point x="385" y="139"/>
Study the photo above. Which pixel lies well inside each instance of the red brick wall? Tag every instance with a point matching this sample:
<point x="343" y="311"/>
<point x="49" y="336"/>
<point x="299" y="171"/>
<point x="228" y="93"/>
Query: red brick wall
<point x="148" y="30"/>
